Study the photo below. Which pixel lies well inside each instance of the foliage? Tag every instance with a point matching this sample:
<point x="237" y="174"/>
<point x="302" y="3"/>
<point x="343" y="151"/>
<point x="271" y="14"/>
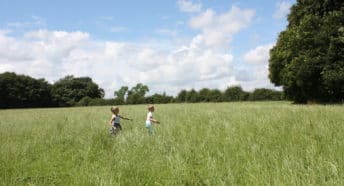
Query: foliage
<point x="87" y="101"/>
<point x="208" y="95"/>
<point x="263" y="94"/>
<point x="215" y="95"/>
<point x="181" y="97"/>
<point x="121" y="94"/>
<point x="23" y="91"/>
<point x="234" y="93"/>
<point x="192" y="96"/>
<point x="308" y="59"/>
<point x="159" y="98"/>
<point x="204" y="95"/>
<point x="69" y="90"/>
<point x="136" y="95"/>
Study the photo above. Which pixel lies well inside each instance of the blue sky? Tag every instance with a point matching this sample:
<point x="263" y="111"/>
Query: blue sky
<point x="168" y="45"/>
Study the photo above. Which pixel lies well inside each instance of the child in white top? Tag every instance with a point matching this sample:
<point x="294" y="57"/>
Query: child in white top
<point x="150" y="120"/>
<point x="115" y="120"/>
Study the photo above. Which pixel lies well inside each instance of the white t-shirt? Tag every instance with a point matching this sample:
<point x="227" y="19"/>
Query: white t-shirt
<point x="117" y="118"/>
<point x="149" y="116"/>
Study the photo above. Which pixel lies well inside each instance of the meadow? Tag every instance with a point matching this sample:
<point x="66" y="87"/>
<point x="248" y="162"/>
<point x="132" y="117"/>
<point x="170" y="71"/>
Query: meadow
<point x="242" y="143"/>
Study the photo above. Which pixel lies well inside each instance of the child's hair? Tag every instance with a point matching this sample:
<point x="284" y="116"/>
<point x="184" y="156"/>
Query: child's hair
<point x="114" y="109"/>
<point x="150" y="107"/>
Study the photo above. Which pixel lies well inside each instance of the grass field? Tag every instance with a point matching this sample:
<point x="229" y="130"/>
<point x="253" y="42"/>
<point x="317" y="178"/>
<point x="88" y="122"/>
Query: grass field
<point x="252" y="143"/>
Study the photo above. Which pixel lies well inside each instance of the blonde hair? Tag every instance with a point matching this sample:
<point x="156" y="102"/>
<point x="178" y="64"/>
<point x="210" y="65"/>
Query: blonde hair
<point x="113" y="109"/>
<point x="150" y="107"/>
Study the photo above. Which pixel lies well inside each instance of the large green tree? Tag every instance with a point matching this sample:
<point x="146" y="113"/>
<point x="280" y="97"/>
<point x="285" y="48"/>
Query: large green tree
<point x="308" y="58"/>
<point x="136" y="95"/>
<point x="121" y="94"/>
<point x="234" y="93"/>
<point x="181" y="97"/>
<point x="215" y="95"/>
<point x="209" y="95"/>
<point x="192" y="96"/>
<point x="69" y="90"/>
<point x="204" y="95"/>
<point x="17" y="91"/>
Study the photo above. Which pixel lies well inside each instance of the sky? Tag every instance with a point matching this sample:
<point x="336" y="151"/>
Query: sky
<point x="168" y="45"/>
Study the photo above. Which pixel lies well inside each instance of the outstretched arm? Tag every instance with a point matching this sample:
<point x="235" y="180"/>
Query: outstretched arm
<point x="154" y="121"/>
<point x="125" y="118"/>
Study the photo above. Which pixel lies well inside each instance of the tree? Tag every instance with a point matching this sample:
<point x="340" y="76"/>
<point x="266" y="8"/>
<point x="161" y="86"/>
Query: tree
<point x="263" y="94"/>
<point x="215" y="95"/>
<point x="23" y="91"/>
<point x="192" y="96"/>
<point x="204" y="95"/>
<point x="234" y="93"/>
<point x="136" y="95"/>
<point x="85" y="101"/>
<point x="121" y="94"/>
<point x="159" y="98"/>
<point x="181" y="97"/>
<point x="308" y="58"/>
<point x="69" y="90"/>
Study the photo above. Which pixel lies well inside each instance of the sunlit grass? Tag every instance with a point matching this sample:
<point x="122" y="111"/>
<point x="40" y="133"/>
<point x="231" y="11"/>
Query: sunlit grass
<point x="252" y="143"/>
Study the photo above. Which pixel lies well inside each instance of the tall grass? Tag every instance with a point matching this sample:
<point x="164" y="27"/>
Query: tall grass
<point x="252" y="143"/>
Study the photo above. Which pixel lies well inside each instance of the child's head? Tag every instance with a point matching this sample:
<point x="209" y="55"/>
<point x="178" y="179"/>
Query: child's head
<point x="114" y="110"/>
<point x="151" y="108"/>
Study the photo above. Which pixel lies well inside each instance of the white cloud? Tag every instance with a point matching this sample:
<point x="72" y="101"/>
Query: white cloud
<point x="55" y="54"/>
<point x="6" y="68"/>
<point x="282" y="9"/>
<point x="189" y="6"/>
<point x="39" y="53"/>
<point x="202" y="61"/>
<point x="218" y="30"/>
<point x="257" y="61"/>
<point x="259" y="55"/>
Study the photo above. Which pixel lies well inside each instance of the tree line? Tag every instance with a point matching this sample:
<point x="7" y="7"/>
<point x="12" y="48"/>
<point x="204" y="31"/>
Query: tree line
<point x="21" y="91"/>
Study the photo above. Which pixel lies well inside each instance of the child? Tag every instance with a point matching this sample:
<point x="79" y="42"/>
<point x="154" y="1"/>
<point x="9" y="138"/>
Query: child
<point x="150" y="119"/>
<point x="115" y="120"/>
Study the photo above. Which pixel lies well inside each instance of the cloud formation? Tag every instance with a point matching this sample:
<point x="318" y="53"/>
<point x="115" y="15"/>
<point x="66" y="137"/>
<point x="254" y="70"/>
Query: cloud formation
<point x="217" y="30"/>
<point x="200" y="61"/>
<point x="55" y="54"/>
<point x="189" y="6"/>
<point x="258" y="60"/>
<point x="282" y="9"/>
<point x="258" y="55"/>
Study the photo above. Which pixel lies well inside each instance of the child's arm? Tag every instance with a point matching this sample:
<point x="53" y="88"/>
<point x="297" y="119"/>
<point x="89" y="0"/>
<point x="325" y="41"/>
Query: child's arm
<point x="154" y="121"/>
<point x="125" y="118"/>
<point x="111" y="120"/>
